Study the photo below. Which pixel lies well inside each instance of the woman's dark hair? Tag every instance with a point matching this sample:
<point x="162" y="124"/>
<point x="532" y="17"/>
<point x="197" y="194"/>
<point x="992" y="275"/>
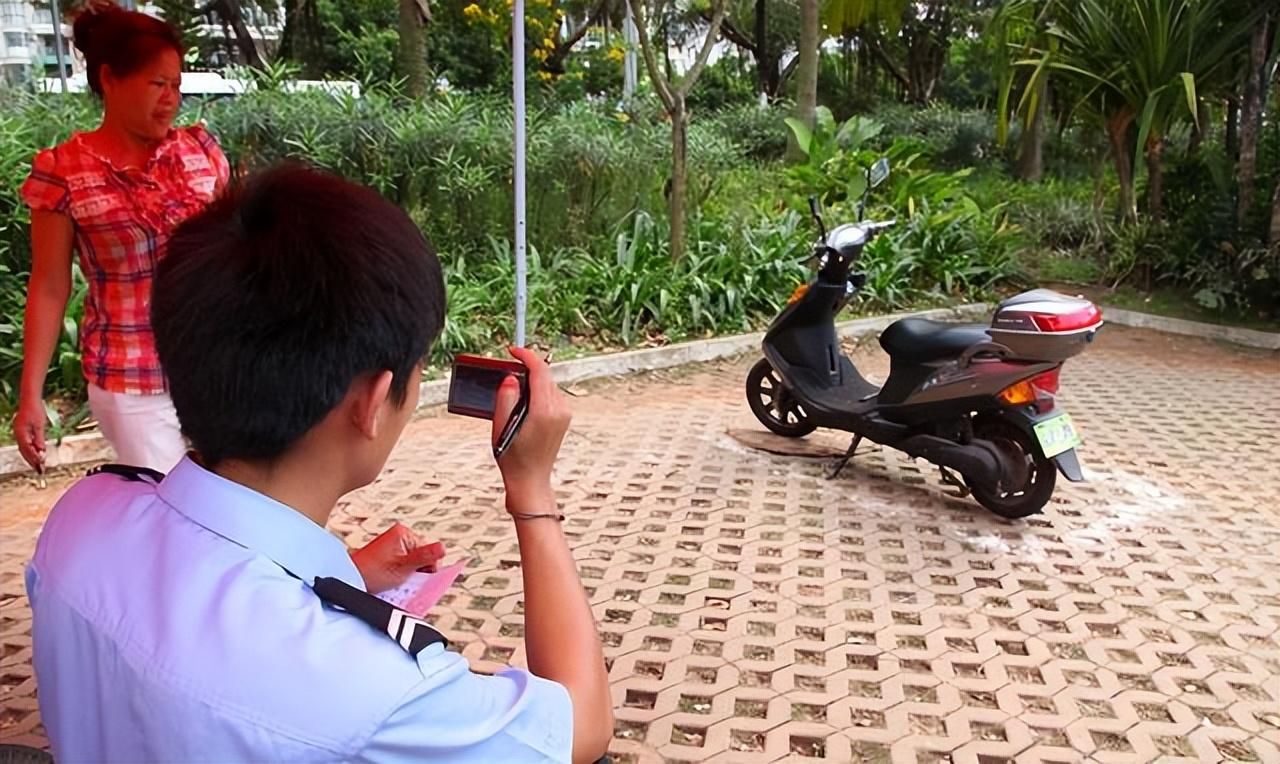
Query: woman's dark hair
<point x="123" y="40"/>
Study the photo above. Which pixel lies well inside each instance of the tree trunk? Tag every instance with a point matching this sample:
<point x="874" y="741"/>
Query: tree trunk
<point x="928" y="40"/>
<point x="1031" y="144"/>
<point x="674" y="100"/>
<point x="557" y="61"/>
<point x="762" y="49"/>
<point x="664" y="34"/>
<point x="411" y="51"/>
<point x="806" y="73"/>
<point x="1233" y="128"/>
<point x="846" y="58"/>
<point x="300" y="40"/>
<point x="1274" y="238"/>
<point x="679" y="174"/>
<point x="1155" y="179"/>
<point x="1122" y="155"/>
<point x="1255" y="88"/>
<point x="1198" y="129"/>
<point x="232" y="16"/>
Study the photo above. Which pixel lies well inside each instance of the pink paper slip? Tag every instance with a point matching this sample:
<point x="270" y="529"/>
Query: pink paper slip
<point x="422" y="591"/>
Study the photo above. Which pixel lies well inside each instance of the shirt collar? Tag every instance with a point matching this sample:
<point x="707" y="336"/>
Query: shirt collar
<point x="258" y="523"/>
<point x="162" y="148"/>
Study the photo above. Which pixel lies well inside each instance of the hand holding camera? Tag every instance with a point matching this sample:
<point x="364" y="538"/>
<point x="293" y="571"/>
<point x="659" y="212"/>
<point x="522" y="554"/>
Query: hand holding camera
<point x="530" y="418"/>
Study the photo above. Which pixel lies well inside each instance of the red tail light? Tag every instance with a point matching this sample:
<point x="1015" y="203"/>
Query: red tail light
<point x="1068" y="322"/>
<point x="1047" y="382"/>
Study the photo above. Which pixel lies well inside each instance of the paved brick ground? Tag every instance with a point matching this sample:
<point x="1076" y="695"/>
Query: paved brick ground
<point x="753" y="611"/>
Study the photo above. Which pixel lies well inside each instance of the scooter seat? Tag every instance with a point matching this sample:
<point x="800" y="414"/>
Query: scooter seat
<point x="920" y="340"/>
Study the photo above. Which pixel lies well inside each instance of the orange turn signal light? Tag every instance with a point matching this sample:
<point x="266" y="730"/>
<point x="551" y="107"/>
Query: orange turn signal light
<point x="798" y="295"/>
<point x="1019" y="393"/>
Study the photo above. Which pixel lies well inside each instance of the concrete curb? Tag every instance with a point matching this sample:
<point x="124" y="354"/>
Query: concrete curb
<point x="1248" y="337"/>
<point x="92" y="446"/>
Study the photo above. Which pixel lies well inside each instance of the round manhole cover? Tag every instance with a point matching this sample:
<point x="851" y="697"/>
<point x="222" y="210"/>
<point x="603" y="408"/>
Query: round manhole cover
<point x="776" y="444"/>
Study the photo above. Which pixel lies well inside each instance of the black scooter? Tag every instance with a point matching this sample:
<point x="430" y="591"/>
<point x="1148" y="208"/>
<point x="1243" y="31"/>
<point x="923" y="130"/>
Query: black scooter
<point x="975" y="400"/>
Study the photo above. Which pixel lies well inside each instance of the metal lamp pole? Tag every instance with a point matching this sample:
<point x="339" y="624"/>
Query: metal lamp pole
<point x="58" y="43"/>
<point x="631" y="37"/>
<point x="517" y="91"/>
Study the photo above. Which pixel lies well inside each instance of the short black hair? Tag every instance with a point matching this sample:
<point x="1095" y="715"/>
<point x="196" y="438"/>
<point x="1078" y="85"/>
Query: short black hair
<point x="276" y="297"/>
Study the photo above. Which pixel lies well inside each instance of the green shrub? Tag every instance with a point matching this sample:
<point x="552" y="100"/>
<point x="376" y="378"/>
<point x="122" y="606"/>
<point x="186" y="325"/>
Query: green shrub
<point x="733" y="278"/>
<point x="759" y="132"/>
<point x="946" y="244"/>
<point x="1226" y="267"/>
<point x="728" y="83"/>
<point x="950" y="137"/>
<point x="27" y="123"/>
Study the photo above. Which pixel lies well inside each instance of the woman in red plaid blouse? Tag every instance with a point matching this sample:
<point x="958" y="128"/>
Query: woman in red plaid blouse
<point x="113" y="196"/>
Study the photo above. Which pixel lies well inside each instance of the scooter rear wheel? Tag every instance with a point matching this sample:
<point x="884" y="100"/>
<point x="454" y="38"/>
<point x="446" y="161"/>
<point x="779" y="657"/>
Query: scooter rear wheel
<point x="773" y="404"/>
<point x="1035" y="482"/>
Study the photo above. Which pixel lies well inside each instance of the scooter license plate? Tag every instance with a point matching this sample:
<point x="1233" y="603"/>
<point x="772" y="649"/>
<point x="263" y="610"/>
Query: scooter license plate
<point x="1057" y="435"/>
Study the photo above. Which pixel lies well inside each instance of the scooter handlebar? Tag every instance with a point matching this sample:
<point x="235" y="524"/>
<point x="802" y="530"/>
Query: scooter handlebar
<point x="876" y="226"/>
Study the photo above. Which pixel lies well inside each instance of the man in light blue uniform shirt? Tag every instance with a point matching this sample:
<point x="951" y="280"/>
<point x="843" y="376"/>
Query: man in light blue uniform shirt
<point x="193" y="617"/>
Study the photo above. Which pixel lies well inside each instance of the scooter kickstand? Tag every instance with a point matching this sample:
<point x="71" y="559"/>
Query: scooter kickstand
<point x="949" y="478"/>
<point x="835" y="469"/>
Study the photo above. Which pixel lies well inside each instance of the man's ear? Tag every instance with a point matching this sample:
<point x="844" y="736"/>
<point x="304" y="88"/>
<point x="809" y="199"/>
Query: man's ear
<point x="368" y="398"/>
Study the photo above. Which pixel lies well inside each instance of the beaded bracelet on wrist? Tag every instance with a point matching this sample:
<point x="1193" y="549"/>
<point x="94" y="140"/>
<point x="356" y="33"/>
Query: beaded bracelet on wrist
<point x="549" y="516"/>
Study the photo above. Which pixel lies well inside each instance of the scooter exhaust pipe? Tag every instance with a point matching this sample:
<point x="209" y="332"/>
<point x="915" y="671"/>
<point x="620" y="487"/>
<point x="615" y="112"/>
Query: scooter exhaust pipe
<point x="979" y="460"/>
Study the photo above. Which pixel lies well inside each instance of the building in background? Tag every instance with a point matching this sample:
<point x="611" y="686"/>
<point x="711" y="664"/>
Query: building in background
<point x="28" y="45"/>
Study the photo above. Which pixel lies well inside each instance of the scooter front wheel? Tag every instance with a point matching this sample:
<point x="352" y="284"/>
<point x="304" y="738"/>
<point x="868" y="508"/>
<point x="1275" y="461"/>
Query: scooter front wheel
<point x="1033" y="483"/>
<point x="773" y="404"/>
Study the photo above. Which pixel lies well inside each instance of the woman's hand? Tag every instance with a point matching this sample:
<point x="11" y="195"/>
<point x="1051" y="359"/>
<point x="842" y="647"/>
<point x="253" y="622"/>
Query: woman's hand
<point x="527" y="464"/>
<point x="52" y="234"/>
<point x="28" y="431"/>
<point x="387" y="561"/>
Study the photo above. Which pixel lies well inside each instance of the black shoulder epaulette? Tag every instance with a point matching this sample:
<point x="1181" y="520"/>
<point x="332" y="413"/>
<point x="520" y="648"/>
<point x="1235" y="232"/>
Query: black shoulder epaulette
<point x="413" y="634"/>
<point x="132" y="474"/>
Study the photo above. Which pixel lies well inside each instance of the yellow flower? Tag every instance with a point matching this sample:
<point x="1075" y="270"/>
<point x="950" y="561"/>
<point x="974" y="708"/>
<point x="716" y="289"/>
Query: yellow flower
<point x="615" y="54"/>
<point x="540" y="54"/>
<point x="549" y="43"/>
<point x="544" y="76"/>
<point x="473" y="12"/>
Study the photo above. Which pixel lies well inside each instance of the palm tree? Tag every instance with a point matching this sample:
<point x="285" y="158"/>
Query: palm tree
<point x="1142" y="65"/>
<point x="1016" y="29"/>
<point x="1252" y="101"/>
<point x="869" y="21"/>
<point x="806" y="71"/>
<point x="411" y="52"/>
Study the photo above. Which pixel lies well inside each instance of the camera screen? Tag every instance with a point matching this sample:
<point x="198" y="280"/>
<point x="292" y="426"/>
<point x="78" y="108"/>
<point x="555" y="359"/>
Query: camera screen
<point x="475" y="389"/>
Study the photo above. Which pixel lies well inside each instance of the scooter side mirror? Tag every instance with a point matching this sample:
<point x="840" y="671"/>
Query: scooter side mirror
<point x="817" y="218"/>
<point x="878" y="173"/>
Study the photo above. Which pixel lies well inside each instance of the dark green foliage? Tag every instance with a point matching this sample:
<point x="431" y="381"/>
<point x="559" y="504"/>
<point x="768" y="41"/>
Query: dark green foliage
<point x="728" y="83"/>
<point x="759" y="132"/>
